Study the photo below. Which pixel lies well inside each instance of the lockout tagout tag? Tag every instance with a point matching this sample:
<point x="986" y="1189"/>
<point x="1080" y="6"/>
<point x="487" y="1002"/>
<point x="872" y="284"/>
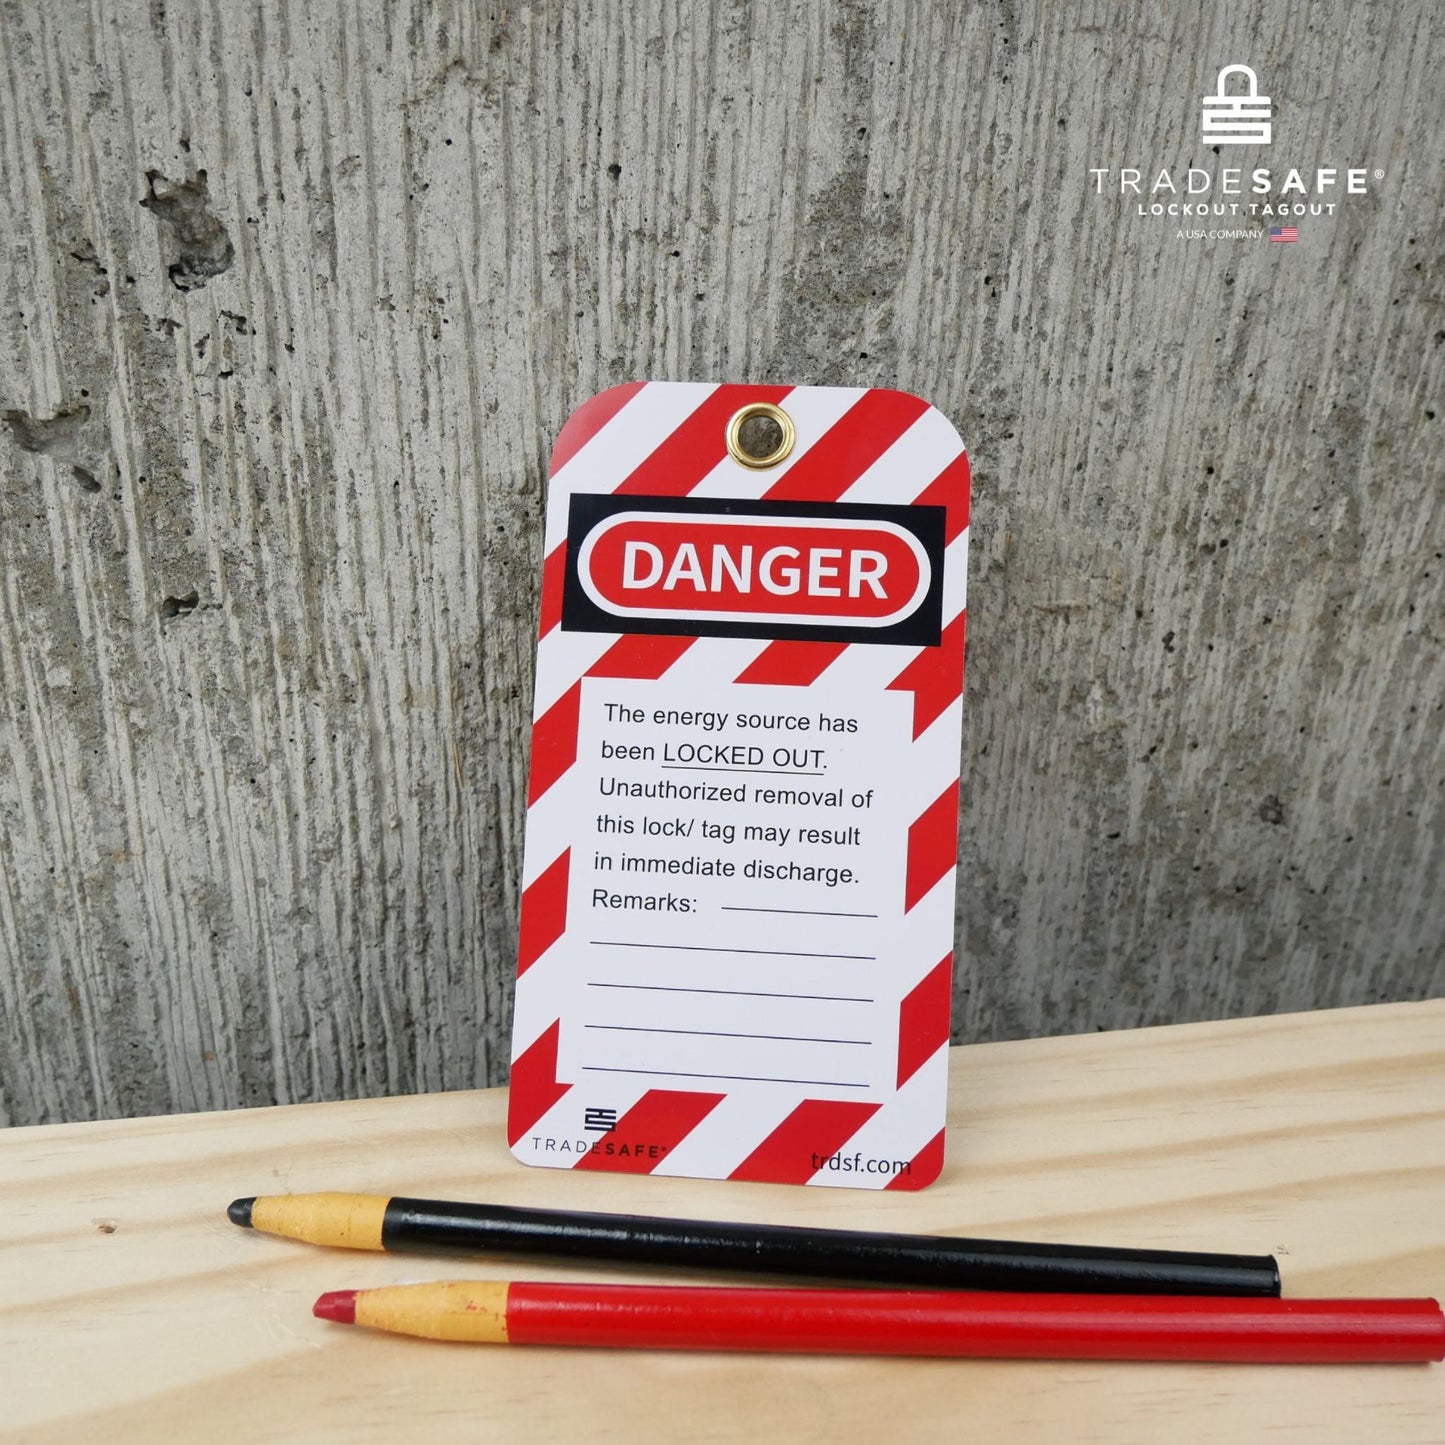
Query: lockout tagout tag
<point x="736" y="951"/>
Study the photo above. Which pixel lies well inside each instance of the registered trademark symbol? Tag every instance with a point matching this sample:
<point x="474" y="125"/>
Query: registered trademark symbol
<point x="1379" y="175"/>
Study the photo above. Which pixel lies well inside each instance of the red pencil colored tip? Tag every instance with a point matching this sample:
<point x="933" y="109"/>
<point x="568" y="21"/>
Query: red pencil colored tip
<point x="338" y="1305"/>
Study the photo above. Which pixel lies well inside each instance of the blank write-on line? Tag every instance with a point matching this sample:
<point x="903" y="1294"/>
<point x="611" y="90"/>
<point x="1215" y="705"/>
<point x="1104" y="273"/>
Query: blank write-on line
<point x="742" y="1078"/>
<point x="805" y="912"/>
<point x="713" y="948"/>
<point x="723" y="1034"/>
<point x="730" y="992"/>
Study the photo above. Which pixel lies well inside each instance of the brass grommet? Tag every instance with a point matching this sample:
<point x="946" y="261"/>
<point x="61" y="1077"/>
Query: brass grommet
<point x="780" y="433"/>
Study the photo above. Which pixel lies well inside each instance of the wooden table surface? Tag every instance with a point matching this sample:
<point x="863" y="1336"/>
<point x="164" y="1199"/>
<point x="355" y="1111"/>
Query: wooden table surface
<point x="132" y="1310"/>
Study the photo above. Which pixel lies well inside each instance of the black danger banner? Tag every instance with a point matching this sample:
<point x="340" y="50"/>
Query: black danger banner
<point x="835" y="572"/>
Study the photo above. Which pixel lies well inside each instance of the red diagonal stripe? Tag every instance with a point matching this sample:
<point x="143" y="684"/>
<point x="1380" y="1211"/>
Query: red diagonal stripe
<point x="645" y="1135"/>
<point x="923" y="1020"/>
<point x="534" y="1088"/>
<point x="834" y="463"/>
<point x="678" y="464"/>
<point x="950" y="488"/>
<point x="554" y="734"/>
<point x="554" y="742"/>
<point x="588" y="420"/>
<point x="554" y="576"/>
<point x="923" y="1168"/>
<point x="932" y="845"/>
<point x="639" y="654"/>
<point x="671" y="469"/>
<point x="544" y="912"/>
<point x="934" y="677"/>
<point x="792" y="664"/>
<point x="848" y="448"/>
<point x="816" y="1128"/>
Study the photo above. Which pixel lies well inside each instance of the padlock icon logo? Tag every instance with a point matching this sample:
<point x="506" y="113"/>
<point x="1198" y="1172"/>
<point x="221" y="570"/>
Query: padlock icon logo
<point x="1237" y="120"/>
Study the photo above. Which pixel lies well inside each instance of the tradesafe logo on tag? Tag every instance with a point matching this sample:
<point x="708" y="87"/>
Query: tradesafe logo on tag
<point x="699" y="567"/>
<point x="1236" y="120"/>
<point x="1251" y="197"/>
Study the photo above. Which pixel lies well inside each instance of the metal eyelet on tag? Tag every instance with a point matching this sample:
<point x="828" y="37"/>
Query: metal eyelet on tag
<point x="760" y="436"/>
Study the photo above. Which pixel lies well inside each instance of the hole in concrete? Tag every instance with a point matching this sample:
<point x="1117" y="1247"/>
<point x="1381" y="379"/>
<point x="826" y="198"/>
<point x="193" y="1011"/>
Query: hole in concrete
<point x="179" y="606"/>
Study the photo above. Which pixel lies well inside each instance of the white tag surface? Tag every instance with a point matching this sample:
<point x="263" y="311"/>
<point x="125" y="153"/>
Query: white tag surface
<point x="737" y="917"/>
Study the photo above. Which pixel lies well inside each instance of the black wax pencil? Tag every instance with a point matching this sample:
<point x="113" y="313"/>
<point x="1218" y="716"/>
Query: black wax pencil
<point x="361" y="1221"/>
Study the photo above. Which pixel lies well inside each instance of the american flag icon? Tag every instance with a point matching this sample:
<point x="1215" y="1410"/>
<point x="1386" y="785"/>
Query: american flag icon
<point x="1284" y="233"/>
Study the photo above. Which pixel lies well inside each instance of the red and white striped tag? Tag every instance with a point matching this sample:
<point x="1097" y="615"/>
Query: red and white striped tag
<point x="736" y="942"/>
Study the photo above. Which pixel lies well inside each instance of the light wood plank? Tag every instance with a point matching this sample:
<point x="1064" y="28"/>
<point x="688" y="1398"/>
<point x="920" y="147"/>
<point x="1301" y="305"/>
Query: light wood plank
<point x="134" y="1311"/>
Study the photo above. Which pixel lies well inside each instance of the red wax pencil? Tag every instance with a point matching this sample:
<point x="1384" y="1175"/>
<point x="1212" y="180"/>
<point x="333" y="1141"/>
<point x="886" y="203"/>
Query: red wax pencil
<point x="902" y="1322"/>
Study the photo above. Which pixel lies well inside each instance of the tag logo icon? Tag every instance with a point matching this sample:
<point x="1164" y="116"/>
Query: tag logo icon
<point x="1239" y="119"/>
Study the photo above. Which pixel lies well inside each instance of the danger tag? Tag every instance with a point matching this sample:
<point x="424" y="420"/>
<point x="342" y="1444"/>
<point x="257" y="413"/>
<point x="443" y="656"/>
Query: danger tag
<point x="738" y="897"/>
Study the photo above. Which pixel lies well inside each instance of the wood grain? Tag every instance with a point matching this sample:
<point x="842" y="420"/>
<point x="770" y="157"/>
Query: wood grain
<point x="294" y="297"/>
<point x="134" y="1311"/>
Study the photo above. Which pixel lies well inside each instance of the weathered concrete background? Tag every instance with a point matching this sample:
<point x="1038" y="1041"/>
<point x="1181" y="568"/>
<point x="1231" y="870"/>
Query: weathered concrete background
<point x="294" y="297"/>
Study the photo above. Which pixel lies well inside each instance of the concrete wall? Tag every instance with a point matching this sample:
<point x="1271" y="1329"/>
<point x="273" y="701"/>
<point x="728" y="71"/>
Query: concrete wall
<point x="294" y="297"/>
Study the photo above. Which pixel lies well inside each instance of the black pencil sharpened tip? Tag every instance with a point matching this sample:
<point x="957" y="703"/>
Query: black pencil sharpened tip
<point x="239" y="1211"/>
